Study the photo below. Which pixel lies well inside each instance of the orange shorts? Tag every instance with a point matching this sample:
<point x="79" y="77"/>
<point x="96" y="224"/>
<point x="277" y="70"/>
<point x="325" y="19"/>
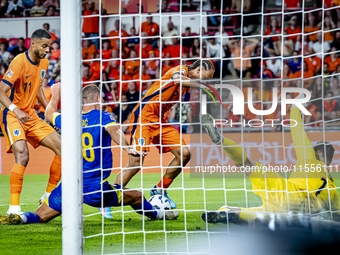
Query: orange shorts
<point x="33" y="131"/>
<point x="145" y="132"/>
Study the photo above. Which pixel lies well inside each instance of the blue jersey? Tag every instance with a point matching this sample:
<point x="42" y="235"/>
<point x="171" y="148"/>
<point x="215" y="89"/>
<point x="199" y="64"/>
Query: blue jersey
<point x="294" y="67"/>
<point x="94" y="139"/>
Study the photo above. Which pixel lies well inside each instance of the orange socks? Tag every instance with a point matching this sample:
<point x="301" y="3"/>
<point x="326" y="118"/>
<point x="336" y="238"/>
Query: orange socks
<point x="55" y="174"/>
<point x="166" y="183"/>
<point x="15" y="181"/>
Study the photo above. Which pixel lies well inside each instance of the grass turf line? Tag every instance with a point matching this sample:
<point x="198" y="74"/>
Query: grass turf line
<point x="46" y="238"/>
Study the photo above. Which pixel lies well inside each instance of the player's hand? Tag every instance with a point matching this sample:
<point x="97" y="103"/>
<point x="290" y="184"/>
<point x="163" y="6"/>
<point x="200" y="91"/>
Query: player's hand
<point x="135" y="153"/>
<point x="22" y="116"/>
<point x="55" y="89"/>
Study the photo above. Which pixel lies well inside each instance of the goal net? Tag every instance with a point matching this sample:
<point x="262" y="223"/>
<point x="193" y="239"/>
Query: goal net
<point x="266" y="50"/>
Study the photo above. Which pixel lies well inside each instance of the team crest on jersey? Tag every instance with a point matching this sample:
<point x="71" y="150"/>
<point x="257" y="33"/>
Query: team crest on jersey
<point x="141" y="141"/>
<point x="9" y="73"/>
<point x="43" y="72"/>
<point x="16" y="132"/>
<point x="183" y="72"/>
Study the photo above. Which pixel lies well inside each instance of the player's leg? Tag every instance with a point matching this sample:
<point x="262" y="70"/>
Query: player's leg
<point x="232" y="149"/>
<point x="170" y="141"/>
<point x="139" y="203"/>
<point x="42" y="215"/>
<point x="140" y="140"/>
<point x="181" y="158"/>
<point x="115" y="195"/>
<point x="50" y="209"/>
<point x="233" y="214"/>
<point x="42" y="134"/>
<point x="15" y="136"/>
<point x="21" y="155"/>
<point x="133" y="167"/>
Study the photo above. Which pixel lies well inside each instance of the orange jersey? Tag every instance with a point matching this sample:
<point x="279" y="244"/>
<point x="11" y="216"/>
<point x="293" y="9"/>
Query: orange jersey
<point x="328" y="36"/>
<point x="312" y="37"/>
<point x="145" y="50"/>
<point x="291" y="31"/>
<point x="332" y="64"/>
<point x="132" y="67"/>
<point x="164" y="91"/>
<point x="106" y="54"/>
<point x="25" y="78"/>
<point x="87" y="53"/>
<point x="313" y="63"/>
<point x="115" y="33"/>
<point x="165" y="69"/>
<point x="151" y="30"/>
<point x="90" y="24"/>
<point x="55" y="54"/>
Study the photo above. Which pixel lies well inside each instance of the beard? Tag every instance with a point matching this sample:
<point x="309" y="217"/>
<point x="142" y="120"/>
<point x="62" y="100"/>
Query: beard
<point x="38" y="55"/>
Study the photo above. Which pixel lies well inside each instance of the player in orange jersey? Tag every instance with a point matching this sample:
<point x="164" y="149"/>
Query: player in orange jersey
<point x="19" y="90"/>
<point x="150" y="126"/>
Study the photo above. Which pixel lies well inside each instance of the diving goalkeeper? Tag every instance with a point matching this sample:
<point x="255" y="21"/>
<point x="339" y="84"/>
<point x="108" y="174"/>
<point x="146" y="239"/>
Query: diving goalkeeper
<point x="304" y="191"/>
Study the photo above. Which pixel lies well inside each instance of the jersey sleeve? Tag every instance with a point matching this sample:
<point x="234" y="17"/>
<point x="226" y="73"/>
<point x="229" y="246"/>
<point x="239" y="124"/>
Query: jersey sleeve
<point x="13" y="73"/>
<point x="302" y="144"/>
<point x="181" y="70"/>
<point x="108" y="120"/>
<point x="56" y="120"/>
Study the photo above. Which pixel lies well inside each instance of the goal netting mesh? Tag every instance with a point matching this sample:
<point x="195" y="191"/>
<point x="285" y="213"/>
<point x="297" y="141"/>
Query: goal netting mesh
<point x="253" y="44"/>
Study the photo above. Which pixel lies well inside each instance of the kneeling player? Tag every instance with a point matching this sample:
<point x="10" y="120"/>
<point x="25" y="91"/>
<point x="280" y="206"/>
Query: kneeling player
<point x="93" y="183"/>
<point x="278" y="195"/>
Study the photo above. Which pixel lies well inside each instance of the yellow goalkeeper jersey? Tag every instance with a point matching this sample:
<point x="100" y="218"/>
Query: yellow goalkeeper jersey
<point x="310" y="174"/>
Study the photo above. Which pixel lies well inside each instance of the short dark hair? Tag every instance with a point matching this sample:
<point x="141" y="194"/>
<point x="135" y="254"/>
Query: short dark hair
<point x="40" y="34"/>
<point x="323" y="147"/>
<point x="21" y="39"/>
<point x="90" y="93"/>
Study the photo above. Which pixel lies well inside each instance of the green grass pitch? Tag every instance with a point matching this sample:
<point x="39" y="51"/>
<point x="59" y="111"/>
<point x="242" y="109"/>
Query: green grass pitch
<point x="46" y="238"/>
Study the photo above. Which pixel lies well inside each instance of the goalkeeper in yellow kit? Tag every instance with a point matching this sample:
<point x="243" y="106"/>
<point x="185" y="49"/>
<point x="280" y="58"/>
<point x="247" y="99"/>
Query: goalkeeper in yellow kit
<point x="309" y="189"/>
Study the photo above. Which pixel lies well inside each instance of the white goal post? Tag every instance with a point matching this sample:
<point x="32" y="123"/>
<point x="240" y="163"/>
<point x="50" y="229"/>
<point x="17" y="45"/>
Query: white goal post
<point x="71" y="107"/>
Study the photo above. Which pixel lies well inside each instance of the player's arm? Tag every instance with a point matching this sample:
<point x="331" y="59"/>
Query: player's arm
<point x="254" y="42"/>
<point x="52" y="106"/>
<point x="187" y="82"/>
<point x="302" y="144"/>
<point x="41" y="97"/>
<point x="22" y="116"/>
<point x="119" y="138"/>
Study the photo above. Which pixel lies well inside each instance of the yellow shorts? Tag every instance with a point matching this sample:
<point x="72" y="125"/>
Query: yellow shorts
<point x="33" y="131"/>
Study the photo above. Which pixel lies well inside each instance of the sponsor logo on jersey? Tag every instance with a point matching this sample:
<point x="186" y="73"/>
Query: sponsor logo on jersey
<point x="183" y="72"/>
<point x="28" y="76"/>
<point x="9" y="73"/>
<point x="141" y="141"/>
<point x="85" y="123"/>
<point x="16" y="132"/>
<point x="112" y="117"/>
<point x="43" y="72"/>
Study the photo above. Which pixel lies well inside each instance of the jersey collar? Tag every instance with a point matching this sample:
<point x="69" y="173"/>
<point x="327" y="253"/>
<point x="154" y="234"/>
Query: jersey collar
<point x="88" y="111"/>
<point x="26" y="52"/>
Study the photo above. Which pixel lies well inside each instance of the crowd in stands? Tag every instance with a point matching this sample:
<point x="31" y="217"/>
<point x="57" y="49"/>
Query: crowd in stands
<point x="128" y="62"/>
<point x="30" y="8"/>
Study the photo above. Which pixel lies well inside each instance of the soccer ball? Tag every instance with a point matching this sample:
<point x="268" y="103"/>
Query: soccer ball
<point x="159" y="202"/>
